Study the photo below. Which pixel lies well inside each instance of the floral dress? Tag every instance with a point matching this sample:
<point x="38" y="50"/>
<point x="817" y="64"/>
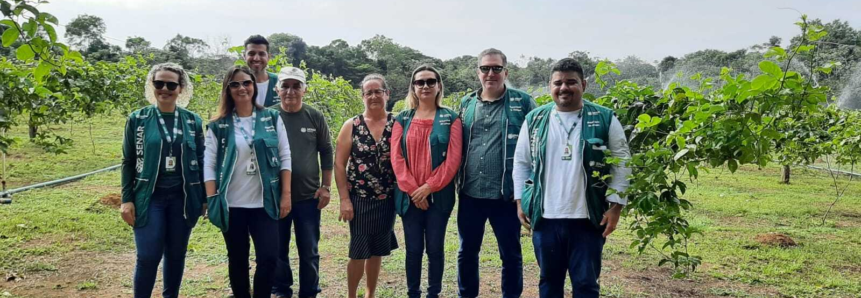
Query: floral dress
<point x="372" y="181"/>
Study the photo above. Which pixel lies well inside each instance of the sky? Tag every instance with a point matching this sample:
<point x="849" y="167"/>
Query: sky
<point x="446" y="29"/>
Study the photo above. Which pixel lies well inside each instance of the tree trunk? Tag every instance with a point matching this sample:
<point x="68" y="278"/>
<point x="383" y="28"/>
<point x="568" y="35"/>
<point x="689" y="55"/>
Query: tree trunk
<point x="787" y="172"/>
<point x="33" y="129"/>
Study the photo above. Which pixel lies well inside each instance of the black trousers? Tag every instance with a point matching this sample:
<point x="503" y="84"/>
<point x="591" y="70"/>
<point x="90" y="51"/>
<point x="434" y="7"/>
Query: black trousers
<point x="254" y="222"/>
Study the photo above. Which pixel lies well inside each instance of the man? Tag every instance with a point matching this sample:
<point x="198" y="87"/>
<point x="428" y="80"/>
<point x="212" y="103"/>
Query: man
<point x="309" y="139"/>
<point x="257" y="57"/>
<point x="560" y="148"/>
<point x="491" y="117"/>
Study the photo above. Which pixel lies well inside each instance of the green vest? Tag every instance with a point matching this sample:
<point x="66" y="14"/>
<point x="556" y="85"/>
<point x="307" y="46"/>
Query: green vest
<point x="517" y="105"/>
<point x="142" y="146"/>
<point x="272" y="95"/>
<point x="439" y="139"/>
<point x="268" y="164"/>
<point x="594" y="136"/>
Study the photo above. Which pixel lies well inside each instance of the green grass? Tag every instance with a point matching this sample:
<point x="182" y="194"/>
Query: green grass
<point x="68" y="239"/>
<point x="27" y="163"/>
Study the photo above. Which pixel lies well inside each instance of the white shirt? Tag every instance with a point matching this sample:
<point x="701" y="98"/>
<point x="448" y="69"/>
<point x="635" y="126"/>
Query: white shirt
<point x="262" y="91"/>
<point x="564" y="180"/>
<point x="244" y="191"/>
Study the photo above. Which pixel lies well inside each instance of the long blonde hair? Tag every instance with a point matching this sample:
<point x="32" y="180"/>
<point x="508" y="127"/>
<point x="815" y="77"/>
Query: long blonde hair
<point x="413" y="99"/>
<point x="226" y="104"/>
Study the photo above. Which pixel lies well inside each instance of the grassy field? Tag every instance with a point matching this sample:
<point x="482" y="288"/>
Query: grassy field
<point x="68" y="241"/>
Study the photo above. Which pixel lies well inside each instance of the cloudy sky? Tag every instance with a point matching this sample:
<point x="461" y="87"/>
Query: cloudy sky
<point x="447" y="28"/>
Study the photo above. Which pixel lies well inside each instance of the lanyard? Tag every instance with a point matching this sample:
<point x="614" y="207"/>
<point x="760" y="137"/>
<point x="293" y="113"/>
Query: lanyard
<point x="570" y="130"/>
<point x="170" y="139"/>
<point x="249" y="140"/>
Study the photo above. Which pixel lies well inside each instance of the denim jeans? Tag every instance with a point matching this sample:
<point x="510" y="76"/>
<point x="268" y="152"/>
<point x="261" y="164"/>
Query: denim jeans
<point x="568" y="245"/>
<point x="163" y="239"/>
<point x="306" y="218"/>
<point x="264" y="232"/>
<point x="425" y="228"/>
<point x="472" y="214"/>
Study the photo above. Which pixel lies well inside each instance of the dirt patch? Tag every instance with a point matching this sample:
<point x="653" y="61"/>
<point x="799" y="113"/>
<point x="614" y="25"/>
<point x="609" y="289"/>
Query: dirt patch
<point x="657" y="282"/>
<point x="112" y="200"/>
<point x="775" y="239"/>
<point x="77" y="274"/>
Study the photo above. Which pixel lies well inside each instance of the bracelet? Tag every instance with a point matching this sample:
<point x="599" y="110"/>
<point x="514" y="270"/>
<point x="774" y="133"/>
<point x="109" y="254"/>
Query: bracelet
<point x="327" y="188"/>
<point x="212" y="196"/>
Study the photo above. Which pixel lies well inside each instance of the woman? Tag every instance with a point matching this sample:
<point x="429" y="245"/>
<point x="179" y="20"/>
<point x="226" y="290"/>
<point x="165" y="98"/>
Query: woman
<point x="363" y="167"/>
<point x="247" y="177"/>
<point x="162" y="194"/>
<point x="426" y="153"/>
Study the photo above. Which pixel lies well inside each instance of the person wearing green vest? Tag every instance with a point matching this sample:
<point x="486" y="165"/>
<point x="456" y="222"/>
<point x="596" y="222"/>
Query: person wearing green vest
<point x="492" y="117"/>
<point x="256" y="56"/>
<point x="558" y="168"/>
<point x="247" y="171"/>
<point x="162" y="192"/>
<point x="426" y="155"/>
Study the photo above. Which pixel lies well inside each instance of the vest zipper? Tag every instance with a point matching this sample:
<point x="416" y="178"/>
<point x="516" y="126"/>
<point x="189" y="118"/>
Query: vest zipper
<point x="504" y="156"/>
<point x="160" y="148"/>
<point x="184" y="193"/>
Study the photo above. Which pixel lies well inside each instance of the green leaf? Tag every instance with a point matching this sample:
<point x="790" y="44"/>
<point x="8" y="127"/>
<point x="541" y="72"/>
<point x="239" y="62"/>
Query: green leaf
<point x="681" y="154"/>
<point x="770" y="68"/>
<point x="732" y="165"/>
<point x="30" y="27"/>
<point x="8" y="23"/>
<point x="762" y="82"/>
<point x="42" y="70"/>
<point x="52" y="33"/>
<point x="778" y="52"/>
<point x="75" y="55"/>
<point x="10" y="36"/>
<point x="25" y="53"/>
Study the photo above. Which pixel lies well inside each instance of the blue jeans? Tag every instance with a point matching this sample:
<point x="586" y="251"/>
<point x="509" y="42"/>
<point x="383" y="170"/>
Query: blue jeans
<point x="264" y="232"/>
<point x="163" y="238"/>
<point x="306" y="218"/>
<point x="424" y="228"/>
<point x="472" y="214"/>
<point x="568" y="245"/>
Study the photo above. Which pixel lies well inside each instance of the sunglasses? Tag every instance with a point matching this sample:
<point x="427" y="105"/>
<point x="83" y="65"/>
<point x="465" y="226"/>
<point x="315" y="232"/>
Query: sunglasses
<point x="235" y="84"/>
<point x="422" y="83"/>
<point x="160" y="85"/>
<point x="486" y="69"/>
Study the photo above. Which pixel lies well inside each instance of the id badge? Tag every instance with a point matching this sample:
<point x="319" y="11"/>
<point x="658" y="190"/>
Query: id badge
<point x="251" y="169"/>
<point x="170" y="163"/>
<point x="567" y="152"/>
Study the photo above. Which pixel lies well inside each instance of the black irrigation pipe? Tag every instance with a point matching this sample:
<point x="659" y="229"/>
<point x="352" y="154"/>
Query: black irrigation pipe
<point x="7" y="194"/>
<point x="835" y="171"/>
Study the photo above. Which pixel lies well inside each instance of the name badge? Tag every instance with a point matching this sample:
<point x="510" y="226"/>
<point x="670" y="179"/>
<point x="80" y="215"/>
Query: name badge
<point x="170" y="164"/>
<point x="567" y="152"/>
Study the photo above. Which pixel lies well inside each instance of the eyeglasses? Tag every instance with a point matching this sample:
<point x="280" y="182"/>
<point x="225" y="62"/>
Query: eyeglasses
<point x="160" y="84"/>
<point x="377" y="92"/>
<point x="422" y="83"/>
<point x="496" y="69"/>
<point x="236" y="84"/>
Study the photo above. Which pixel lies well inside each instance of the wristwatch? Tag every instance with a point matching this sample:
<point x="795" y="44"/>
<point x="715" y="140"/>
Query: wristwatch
<point x="327" y="188"/>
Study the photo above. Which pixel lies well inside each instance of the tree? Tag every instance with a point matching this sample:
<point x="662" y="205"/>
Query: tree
<point x="84" y="30"/>
<point x="137" y="44"/>
<point x="667" y="63"/>
<point x="290" y="45"/>
<point x="183" y="49"/>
